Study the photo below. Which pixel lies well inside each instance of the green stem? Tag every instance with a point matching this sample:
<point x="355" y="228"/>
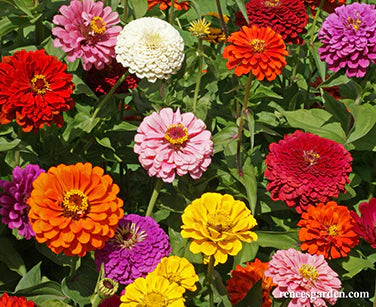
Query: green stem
<point x="199" y="73"/>
<point x="72" y="271"/>
<point x="315" y="22"/>
<point x="209" y="278"/>
<point x="154" y="196"/>
<point x="297" y="52"/>
<point x="223" y="24"/>
<point x="171" y="17"/>
<point x="17" y="153"/>
<point x="241" y="123"/>
<point x="96" y="300"/>
<point x="125" y="10"/>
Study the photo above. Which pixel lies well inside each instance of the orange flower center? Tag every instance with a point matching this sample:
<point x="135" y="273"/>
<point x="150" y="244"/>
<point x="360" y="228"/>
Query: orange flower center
<point x="220" y="222"/>
<point x="155" y="299"/>
<point x="354" y="23"/>
<point x="39" y="84"/>
<point x="128" y="236"/>
<point x="75" y="202"/>
<point x="271" y="3"/>
<point x="309" y="272"/>
<point x="98" y="25"/>
<point x="332" y="230"/>
<point x="176" y="134"/>
<point x="258" y="45"/>
<point x="311" y="157"/>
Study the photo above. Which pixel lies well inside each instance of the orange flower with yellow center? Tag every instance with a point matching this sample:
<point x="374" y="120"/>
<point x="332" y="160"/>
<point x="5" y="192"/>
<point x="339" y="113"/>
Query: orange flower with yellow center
<point x="74" y="209"/>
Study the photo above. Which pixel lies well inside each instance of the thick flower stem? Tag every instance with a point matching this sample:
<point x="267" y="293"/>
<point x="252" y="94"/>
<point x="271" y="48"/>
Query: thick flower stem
<point x="125" y="10"/>
<point x="312" y="38"/>
<point x="223" y="24"/>
<point x="154" y="196"/>
<point x="96" y="300"/>
<point x="241" y="123"/>
<point x="73" y="267"/>
<point x="171" y="17"/>
<point x="198" y="77"/>
<point x="209" y="278"/>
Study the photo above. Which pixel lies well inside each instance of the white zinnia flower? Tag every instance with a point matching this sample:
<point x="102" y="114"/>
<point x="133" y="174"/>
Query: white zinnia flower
<point x="150" y="48"/>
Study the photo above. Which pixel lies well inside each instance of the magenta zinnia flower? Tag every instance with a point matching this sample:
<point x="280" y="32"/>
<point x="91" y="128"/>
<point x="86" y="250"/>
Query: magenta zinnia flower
<point x="349" y="40"/>
<point x="303" y="275"/>
<point x="85" y="31"/>
<point x="365" y="225"/>
<point x="136" y="249"/>
<point x="169" y="142"/>
<point x="304" y="169"/>
<point x="13" y="202"/>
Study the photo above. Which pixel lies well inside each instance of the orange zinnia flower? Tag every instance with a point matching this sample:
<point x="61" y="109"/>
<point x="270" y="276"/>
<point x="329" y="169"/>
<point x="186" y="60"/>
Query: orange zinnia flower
<point x="243" y="279"/>
<point x="74" y="209"/>
<point x="327" y="229"/>
<point x="164" y="4"/>
<point x="257" y="50"/>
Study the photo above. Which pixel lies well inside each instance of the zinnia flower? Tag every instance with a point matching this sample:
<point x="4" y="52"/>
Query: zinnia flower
<point x="74" y="209"/>
<point x="10" y="301"/>
<point x="257" y="50"/>
<point x="13" y="202"/>
<point x="152" y="291"/>
<point x="286" y="17"/>
<point x="244" y="278"/>
<point x="365" y="224"/>
<point x="332" y="91"/>
<point x="215" y="34"/>
<point x="304" y="169"/>
<point x="328" y="230"/>
<point x="329" y="5"/>
<point x="34" y="90"/>
<point x="348" y="39"/>
<point x="150" y="48"/>
<point x="111" y="301"/>
<point x="178" y="270"/>
<point x="171" y="142"/>
<point x="217" y="225"/>
<point x="199" y="27"/>
<point x="85" y="30"/>
<point x="136" y="249"/>
<point x="303" y="274"/>
<point x="165" y="4"/>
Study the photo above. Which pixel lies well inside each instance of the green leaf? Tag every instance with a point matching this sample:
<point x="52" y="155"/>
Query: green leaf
<point x="253" y="297"/>
<point x="25" y="6"/>
<point x="241" y="5"/>
<point x="277" y="239"/>
<point x="43" y="292"/>
<point x="30" y="279"/>
<point x="53" y="303"/>
<point x="124" y="126"/>
<point x="11" y="257"/>
<point x="6" y="26"/>
<point x="336" y="79"/>
<point x="337" y="109"/>
<point x="355" y="265"/>
<point x="219" y="290"/>
<point x="321" y="66"/>
<point x="59" y="259"/>
<point x="247" y="253"/>
<point x="105" y="142"/>
<point x="82" y="88"/>
<point x="6" y="146"/>
<point x="139" y="7"/>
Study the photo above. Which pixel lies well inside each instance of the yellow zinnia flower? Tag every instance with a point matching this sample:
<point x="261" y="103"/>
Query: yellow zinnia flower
<point x="178" y="270"/>
<point x="199" y="27"/>
<point x="152" y="291"/>
<point x="217" y="225"/>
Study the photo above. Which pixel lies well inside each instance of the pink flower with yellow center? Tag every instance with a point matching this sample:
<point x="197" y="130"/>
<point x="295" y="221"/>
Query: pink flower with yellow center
<point x="170" y="143"/>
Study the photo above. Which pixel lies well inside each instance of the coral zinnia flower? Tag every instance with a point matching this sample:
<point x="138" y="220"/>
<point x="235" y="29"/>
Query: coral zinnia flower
<point x="329" y="5"/>
<point x="257" y="50"/>
<point x="6" y="300"/>
<point x="85" y="30"/>
<point x="349" y="40"/>
<point x="152" y="291"/>
<point x="217" y="225"/>
<point x="365" y="225"/>
<point x="244" y="278"/>
<point x="295" y="272"/>
<point x="304" y="169"/>
<point x="178" y="270"/>
<point x="286" y="17"/>
<point x="327" y="229"/>
<point x="34" y="90"/>
<point x="13" y="202"/>
<point x="74" y="209"/>
<point x="164" y="4"/>
<point x="169" y="142"/>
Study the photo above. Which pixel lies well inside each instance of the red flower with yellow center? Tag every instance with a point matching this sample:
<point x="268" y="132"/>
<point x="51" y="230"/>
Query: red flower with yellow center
<point x="327" y="229"/>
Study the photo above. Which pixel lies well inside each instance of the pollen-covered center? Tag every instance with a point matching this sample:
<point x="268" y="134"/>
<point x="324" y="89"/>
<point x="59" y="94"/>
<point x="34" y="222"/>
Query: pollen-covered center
<point x="154" y="299"/>
<point x="308" y="272"/>
<point x="176" y="134"/>
<point x="128" y="236"/>
<point x="75" y="202"/>
<point x="98" y="25"/>
<point x="258" y="45"/>
<point x="153" y="40"/>
<point x="311" y="157"/>
<point x="220" y="222"/>
<point x="332" y="230"/>
<point x="354" y="23"/>
<point x="271" y="3"/>
<point x="39" y="84"/>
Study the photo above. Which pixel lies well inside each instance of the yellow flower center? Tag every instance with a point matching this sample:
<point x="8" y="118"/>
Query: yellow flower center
<point x="332" y="230"/>
<point x="153" y="40"/>
<point x="258" y="45"/>
<point x="39" y="84"/>
<point x="176" y="134"/>
<point x="128" y="236"/>
<point x="354" y="23"/>
<point x="311" y="157"/>
<point x="75" y="202"/>
<point x="220" y="222"/>
<point x="309" y="272"/>
<point x="155" y="299"/>
<point x="98" y="25"/>
<point x="199" y="28"/>
<point x="271" y="3"/>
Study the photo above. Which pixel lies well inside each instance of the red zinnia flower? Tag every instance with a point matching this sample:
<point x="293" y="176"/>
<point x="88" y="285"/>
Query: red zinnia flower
<point x="286" y="17"/>
<point x="14" y="301"/>
<point x="34" y="90"/>
<point x="365" y="224"/>
<point x="328" y="6"/>
<point x="327" y="229"/>
<point x="257" y="50"/>
<point x="305" y="169"/>
<point x="164" y="4"/>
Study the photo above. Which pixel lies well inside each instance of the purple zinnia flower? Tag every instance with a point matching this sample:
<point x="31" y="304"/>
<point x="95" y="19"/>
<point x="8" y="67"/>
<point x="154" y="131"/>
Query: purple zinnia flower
<point x="349" y="40"/>
<point x="136" y="249"/>
<point x="13" y="202"/>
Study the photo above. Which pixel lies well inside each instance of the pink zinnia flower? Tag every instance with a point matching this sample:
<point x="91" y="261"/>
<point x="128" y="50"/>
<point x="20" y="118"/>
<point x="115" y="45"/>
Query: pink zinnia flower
<point x="365" y="225"/>
<point x="308" y="277"/>
<point x="169" y="142"/>
<point x="85" y="31"/>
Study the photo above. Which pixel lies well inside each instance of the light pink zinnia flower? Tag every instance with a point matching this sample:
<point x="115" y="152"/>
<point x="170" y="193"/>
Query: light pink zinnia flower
<point x="85" y="32"/>
<point x="170" y="141"/>
<point x="308" y="279"/>
<point x="365" y="225"/>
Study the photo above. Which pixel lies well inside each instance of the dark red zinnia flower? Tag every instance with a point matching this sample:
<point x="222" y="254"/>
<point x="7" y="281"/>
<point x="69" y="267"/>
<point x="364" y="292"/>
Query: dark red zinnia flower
<point x="15" y="301"/>
<point x="328" y="6"/>
<point x="34" y="90"/>
<point x="304" y="169"/>
<point x="286" y="17"/>
<point x="332" y="91"/>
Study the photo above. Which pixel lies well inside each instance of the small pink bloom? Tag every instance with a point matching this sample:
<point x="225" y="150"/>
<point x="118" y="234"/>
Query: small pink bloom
<point x="366" y="224"/>
<point x="85" y="31"/>
<point x="169" y="143"/>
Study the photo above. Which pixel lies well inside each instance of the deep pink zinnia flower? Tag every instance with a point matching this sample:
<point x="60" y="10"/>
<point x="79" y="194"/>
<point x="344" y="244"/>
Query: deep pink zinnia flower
<point x="304" y="169"/>
<point x="171" y="142"/>
<point x="365" y="224"/>
<point x="85" y="31"/>
<point x="349" y="40"/>
<point x="307" y="277"/>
